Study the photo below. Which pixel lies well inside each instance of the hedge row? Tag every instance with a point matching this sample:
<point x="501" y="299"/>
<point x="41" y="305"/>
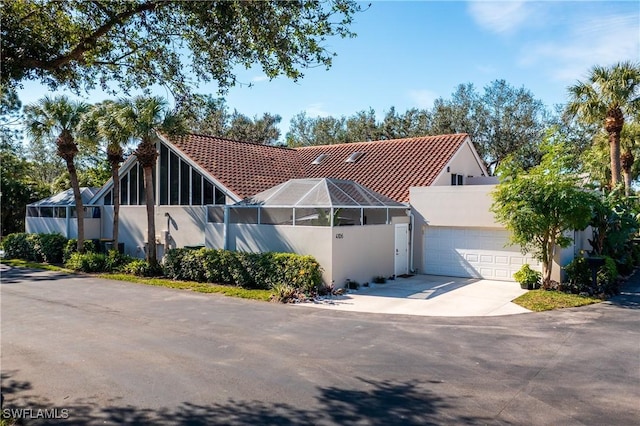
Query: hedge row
<point x="249" y="270"/>
<point x="47" y="248"/>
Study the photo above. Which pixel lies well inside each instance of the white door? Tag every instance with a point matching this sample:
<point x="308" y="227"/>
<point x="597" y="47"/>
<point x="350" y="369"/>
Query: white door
<point x="401" y="262"/>
<point x="472" y="252"/>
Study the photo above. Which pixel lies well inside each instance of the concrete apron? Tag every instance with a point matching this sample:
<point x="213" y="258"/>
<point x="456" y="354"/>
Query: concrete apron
<point x="430" y="295"/>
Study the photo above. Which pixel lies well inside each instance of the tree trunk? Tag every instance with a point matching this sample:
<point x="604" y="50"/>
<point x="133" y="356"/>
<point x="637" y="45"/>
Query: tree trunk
<point x="152" y="257"/>
<point x="613" y="125"/>
<point x="67" y="150"/>
<point x="626" y="161"/>
<point x="147" y="155"/>
<point x="73" y="174"/>
<point x="115" y="175"/>
<point x="614" y="148"/>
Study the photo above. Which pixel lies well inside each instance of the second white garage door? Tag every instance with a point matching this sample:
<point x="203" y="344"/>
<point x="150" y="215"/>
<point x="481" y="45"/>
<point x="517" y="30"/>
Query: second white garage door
<point x="472" y="252"/>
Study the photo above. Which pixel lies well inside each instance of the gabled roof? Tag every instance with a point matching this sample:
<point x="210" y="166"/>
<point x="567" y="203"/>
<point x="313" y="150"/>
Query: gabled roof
<point x="243" y="167"/>
<point x="65" y="198"/>
<point x="389" y="167"/>
<point x="320" y="192"/>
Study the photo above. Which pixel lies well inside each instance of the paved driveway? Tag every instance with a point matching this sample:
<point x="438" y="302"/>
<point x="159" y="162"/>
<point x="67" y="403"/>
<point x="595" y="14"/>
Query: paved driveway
<point x="430" y="295"/>
<point x="119" y="353"/>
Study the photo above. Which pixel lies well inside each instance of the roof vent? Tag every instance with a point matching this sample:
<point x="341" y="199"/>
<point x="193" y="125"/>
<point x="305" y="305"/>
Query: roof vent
<point x="354" y="157"/>
<point x="319" y="159"/>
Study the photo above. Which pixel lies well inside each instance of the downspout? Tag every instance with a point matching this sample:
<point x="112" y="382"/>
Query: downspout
<point x="225" y="231"/>
<point x="411" y="231"/>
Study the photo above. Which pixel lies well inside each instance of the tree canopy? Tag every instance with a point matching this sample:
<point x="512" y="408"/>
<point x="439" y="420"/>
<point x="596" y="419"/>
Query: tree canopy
<point x="208" y="115"/>
<point x="83" y="44"/>
<point x="538" y="206"/>
<point x="610" y="96"/>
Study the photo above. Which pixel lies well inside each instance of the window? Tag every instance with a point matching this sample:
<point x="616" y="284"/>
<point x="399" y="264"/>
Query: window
<point x="196" y="188"/>
<point x="354" y="157"/>
<point x="185" y="183"/>
<point x="180" y="183"/>
<point x="319" y="159"/>
<point x="60" y="212"/>
<point x="457" y="179"/>
<point x="174" y="179"/>
<point x="46" y="211"/>
<point x="107" y="198"/>
<point x="124" y="190"/>
<point x="133" y="185"/>
<point x="164" y="174"/>
<point x="32" y="212"/>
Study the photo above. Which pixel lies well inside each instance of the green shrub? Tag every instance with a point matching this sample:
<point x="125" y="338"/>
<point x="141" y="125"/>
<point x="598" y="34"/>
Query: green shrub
<point x="248" y="270"/>
<point x="34" y="247"/>
<point x="116" y="261"/>
<point x="527" y="277"/>
<point x="72" y="247"/>
<point x="285" y="293"/>
<point x="142" y="268"/>
<point x="580" y="278"/>
<point x="16" y="246"/>
<point x="379" y="279"/>
<point x="87" y="262"/>
<point x="172" y="263"/>
<point x="50" y="247"/>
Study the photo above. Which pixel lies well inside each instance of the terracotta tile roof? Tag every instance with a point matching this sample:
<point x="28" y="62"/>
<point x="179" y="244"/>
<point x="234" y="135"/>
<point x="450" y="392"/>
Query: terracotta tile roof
<point x="245" y="168"/>
<point x="389" y="167"/>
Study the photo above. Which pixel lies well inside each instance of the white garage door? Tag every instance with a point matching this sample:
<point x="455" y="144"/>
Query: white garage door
<point x="474" y="253"/>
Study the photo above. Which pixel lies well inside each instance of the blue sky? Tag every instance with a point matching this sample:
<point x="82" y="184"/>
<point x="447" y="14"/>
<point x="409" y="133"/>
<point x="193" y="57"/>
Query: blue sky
<point x="407" y="54"/>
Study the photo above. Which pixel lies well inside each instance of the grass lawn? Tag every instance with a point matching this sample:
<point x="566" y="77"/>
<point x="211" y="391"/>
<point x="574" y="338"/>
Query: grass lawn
<point x="227" y="290"/>
<point x="544" y="300"/>
<point x="161" y="282"/>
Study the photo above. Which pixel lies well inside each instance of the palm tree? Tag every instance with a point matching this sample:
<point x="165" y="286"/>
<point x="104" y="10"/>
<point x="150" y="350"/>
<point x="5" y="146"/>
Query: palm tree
<point x="103" y="123"/>
<point x="59" y="118"/>
<point x="143" y="117"/>
<point x="630" y="145"/>
<point x="606" y="97"/>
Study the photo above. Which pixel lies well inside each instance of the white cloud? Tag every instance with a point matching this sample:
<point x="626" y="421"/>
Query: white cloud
<point x="601" y="40"/>
<point x="423" y="98"/>
<point x="259" y="78"/>
<point x="316" y="110"/>
<point x="502" y="17"/>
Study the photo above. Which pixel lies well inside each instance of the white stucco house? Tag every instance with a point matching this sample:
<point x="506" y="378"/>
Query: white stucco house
<point x="364" y="209"/>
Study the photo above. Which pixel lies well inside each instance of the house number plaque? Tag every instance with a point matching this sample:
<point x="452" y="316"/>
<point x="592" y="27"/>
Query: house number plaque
<point x="339" y="236"/>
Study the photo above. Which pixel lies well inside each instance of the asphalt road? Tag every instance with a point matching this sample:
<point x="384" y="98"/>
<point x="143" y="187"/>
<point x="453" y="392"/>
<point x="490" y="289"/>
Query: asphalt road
<point x="106" y="352"/>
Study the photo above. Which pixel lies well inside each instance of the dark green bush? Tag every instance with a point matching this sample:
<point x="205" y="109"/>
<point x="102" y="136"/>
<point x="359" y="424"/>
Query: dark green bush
<point x="248" y="270"/>
<point x="34" y="247"/>
<point x="142" y="268"/>
<point x="50" y="247"/>
<point x="580" y="279"/>
<point x="87" y="262"/>
<point x="16" y="246"/>
<point x="116" y="261"/>
<point x="72" y="247"/>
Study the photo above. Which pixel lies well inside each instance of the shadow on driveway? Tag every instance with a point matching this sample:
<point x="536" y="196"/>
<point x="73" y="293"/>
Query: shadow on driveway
<point x="629" y="296"/>
<point x="11" y="275"/>
<point x="376" y="403"/>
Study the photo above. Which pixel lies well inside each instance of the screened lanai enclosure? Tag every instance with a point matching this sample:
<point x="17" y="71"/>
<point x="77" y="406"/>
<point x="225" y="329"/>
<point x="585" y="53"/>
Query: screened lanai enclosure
<point x="344" y="225"/>
<point x="312" y="202"/>
<point x="57" y="214"/>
